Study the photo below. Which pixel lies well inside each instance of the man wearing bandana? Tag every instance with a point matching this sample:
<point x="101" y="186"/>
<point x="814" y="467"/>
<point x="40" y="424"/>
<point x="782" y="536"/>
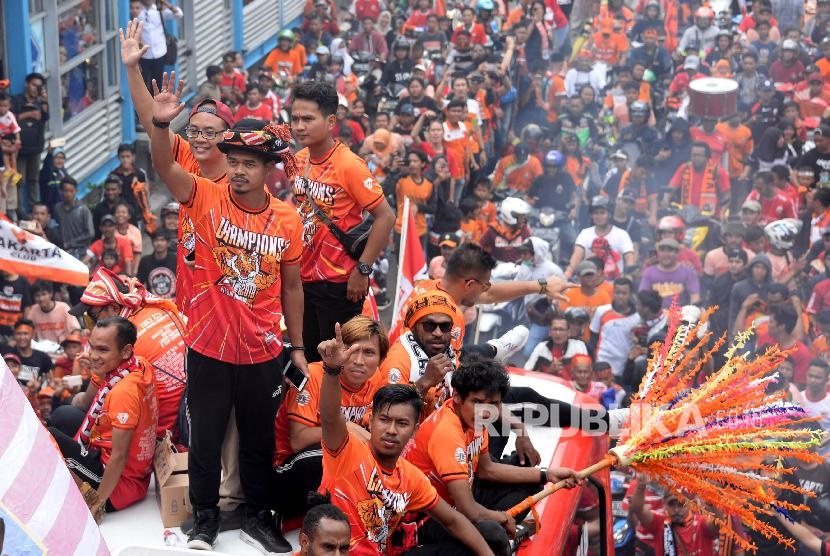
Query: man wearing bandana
<point x="248" y="246"/>
<point x="113" y="448"/>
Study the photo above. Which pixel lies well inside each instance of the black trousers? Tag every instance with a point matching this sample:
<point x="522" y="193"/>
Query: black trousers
<point x="325" y="305"/>
<point x="557" y="414"/>
<point x="254" y="391"/>
<point x="434" y="540"/>
<point x="67" y="418"/>
<point x="86" y="464"/>
<point x="295" y="478"/>
<point x="151" y="68"/>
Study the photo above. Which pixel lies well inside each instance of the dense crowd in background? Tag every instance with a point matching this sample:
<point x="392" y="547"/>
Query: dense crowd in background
<point x="559" y="137"/>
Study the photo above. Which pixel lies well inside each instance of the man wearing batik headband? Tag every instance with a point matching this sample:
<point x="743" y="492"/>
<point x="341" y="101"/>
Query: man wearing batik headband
<point x="247" y="254"/>
<point x="160" y="341"/>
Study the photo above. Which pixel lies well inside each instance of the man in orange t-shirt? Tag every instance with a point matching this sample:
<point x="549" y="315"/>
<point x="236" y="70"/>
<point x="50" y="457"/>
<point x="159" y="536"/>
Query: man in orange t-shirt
<point x="246" y="278"/>
<point x="298" y="458"/>
<point x="369" y="481"/>
<point x="739" y="145"/>
<point x="451" y="448"/>
<point x="458" y="140"/>
<point x="285" y="58"/>
<point x="517" y="170"/>
<point x="333" y="188"/>
<point x="114" y="446"/>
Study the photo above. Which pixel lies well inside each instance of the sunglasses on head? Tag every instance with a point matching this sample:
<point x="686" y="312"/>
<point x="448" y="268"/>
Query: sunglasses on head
<point x="429" y="326"/>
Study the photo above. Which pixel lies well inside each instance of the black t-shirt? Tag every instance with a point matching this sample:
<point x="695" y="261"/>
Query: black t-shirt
<point x="159" y="277"/>
<point x="632" y="226"/>
<point x="32" y="131"/>
<point x="420" y="106"/>
<point x="433" y="42"/>
<point x="15" y="296"/>
<point x="553" y="191"/>
<point x="35" y="365"/>
<point x="819" y="163"/>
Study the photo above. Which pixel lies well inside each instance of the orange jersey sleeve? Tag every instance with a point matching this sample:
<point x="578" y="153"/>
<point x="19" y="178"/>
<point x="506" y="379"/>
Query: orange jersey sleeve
<point x="395" y="368"/>
<point x="342" y="187"/>
<point x="446" y="451"/>
<point x="373" y="498"/>
<point x="235" y="311"/>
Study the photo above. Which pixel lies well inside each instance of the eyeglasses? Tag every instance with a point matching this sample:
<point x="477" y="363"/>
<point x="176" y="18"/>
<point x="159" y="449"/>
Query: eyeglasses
<point x="208" y="134"/>
<point x="429" y="326"/>
<point x="485" y="285"/>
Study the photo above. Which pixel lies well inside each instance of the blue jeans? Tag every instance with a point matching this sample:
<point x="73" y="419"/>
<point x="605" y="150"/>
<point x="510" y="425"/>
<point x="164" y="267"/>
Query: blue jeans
<point x="538" y="333"/>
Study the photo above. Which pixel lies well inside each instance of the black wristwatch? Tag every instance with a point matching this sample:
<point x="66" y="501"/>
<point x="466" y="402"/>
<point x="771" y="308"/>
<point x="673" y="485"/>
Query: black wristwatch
<point x="543" y="475"/>
<point x="364" y="269"/>
<point x="162" y="125"/>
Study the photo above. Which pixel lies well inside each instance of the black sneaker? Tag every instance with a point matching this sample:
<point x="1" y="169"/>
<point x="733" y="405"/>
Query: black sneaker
<point x="228" y="520"/>
<point x="205" y="530"/>
<point x="261" y="532"/>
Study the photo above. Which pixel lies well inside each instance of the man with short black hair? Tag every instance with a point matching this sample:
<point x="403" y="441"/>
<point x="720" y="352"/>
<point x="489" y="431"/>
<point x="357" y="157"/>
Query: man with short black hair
<point x="246" y="277"/>
<point x="334" y="188"/>
<point x="158" y="271"/>
<point x="34" y="364"/>
<point x="389" y="486"/>
<point x="75" y="220"/>
<point x="817" y="399"/>
<point x="32" y="111"/>
<point x="325" y="532"/>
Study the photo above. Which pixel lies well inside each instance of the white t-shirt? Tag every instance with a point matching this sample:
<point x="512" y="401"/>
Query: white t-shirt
<point x="820" y="409"/>
<point x="617" y="238"/>
<point x="615" y="342"/>
<point x="541" y="351"/>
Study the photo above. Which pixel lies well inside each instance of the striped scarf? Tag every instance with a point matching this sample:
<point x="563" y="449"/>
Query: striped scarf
<point x="112" y="378"/>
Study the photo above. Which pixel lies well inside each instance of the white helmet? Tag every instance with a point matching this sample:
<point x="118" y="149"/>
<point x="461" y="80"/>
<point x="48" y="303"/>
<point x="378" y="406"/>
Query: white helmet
<point x="510" y="208"/>
<point x="781" y="233"/>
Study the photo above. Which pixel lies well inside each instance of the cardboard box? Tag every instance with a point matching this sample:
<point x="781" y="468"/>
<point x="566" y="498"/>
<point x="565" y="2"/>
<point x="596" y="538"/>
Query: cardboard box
<point x="171" y="483"/>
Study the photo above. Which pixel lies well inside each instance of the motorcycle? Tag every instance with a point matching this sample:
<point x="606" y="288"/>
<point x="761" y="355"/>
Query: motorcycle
<point x="555" y="227"/>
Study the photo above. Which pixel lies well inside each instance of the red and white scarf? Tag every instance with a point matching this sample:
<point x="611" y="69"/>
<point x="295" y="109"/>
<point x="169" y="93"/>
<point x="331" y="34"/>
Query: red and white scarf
<point x="110" y="380"/>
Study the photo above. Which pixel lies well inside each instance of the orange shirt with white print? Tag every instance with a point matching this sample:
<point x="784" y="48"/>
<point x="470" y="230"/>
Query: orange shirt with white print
<point x="290" y="62"/>
<point x="236" y="308"/>
<point x="187" y="241"/>
<point x="304" y="407"/>
<point x="130" y="405"/>
<point x="419" y="194"/>
<point x="373" y="498"/>
<point x="445" y="450"/>
<point x="341" y="186"/>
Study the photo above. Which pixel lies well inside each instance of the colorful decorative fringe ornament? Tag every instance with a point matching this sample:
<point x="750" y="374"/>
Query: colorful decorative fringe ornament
<point x="718" y="444"/>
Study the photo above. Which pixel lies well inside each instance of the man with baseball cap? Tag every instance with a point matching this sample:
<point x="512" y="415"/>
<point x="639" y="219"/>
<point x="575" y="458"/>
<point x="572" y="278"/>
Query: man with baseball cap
<point x="669" y="277"/>
<point x="246" y="279"/>
<point x="207" y="122"/>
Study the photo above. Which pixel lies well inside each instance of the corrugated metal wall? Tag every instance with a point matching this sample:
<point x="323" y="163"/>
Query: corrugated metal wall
<point x="261" y="21"/>
<point x="91" y="141"/>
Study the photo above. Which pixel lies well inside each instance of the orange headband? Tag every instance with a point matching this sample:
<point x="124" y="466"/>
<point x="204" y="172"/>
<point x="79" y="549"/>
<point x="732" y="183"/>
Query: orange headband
<point x="581" y="357"/>
<point x="24" y="326"/>
<point x="428" y="303"/>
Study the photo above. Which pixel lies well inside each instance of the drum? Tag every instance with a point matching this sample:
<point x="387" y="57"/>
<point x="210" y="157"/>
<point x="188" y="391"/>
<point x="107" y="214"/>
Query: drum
<point x="713" y="97"/>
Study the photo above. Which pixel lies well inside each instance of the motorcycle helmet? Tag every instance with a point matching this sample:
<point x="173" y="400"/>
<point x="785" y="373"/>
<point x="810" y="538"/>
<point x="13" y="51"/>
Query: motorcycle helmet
<point x="704" y="11"/>
<point x="639" y="107"/>
<point x="401" y="45"/>
<point x="286" y="34"/>
<point x="512" y="207"/>
<point x="672" y="224"/>
<point x="486" y="5"/>
<point x="599" y="202"/>
<point x="532" y="132"/>
<point x="554" y="158"/>
<point x="573" y="314"/>
<point x="781" y="233"/>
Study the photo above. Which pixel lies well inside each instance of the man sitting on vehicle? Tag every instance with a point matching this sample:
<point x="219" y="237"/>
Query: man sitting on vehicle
<point x="369" y="481"/>
<point x="451" y="448"/>
<point x="159" y="339"/>
<point x="298" y="458"/>
<point x="112" y="450"/>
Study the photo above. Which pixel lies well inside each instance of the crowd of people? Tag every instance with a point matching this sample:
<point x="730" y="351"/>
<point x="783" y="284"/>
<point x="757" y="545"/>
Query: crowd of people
<point x="558" y="167"/>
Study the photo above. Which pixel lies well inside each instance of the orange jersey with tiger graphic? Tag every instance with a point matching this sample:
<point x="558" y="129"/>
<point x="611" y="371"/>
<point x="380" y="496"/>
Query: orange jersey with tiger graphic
<point x="187" y="243"/>
<point x="235" y="311"/>
<point x="304" y="407"/>
<point x="372" y="497"/>
<point x="445" y="450"/>
<point x="342" y="187"/>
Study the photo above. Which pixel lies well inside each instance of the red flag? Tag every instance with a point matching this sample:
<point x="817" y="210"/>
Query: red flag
<point x="412" y="266"/>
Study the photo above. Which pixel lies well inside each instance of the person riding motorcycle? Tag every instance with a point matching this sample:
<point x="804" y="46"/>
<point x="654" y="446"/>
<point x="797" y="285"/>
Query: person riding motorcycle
<point x="554" y="188"/>
<point x="504" y="237"/>
<point x="673" y="227"/>
<point x="638" y="137"/>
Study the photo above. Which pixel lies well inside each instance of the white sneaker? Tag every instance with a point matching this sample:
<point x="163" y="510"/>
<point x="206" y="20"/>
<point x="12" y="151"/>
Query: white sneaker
<point x="510" y="343"/>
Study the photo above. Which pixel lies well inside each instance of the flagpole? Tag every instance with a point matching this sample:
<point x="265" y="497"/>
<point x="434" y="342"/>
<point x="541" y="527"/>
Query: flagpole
<point x="404" y="226"/>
